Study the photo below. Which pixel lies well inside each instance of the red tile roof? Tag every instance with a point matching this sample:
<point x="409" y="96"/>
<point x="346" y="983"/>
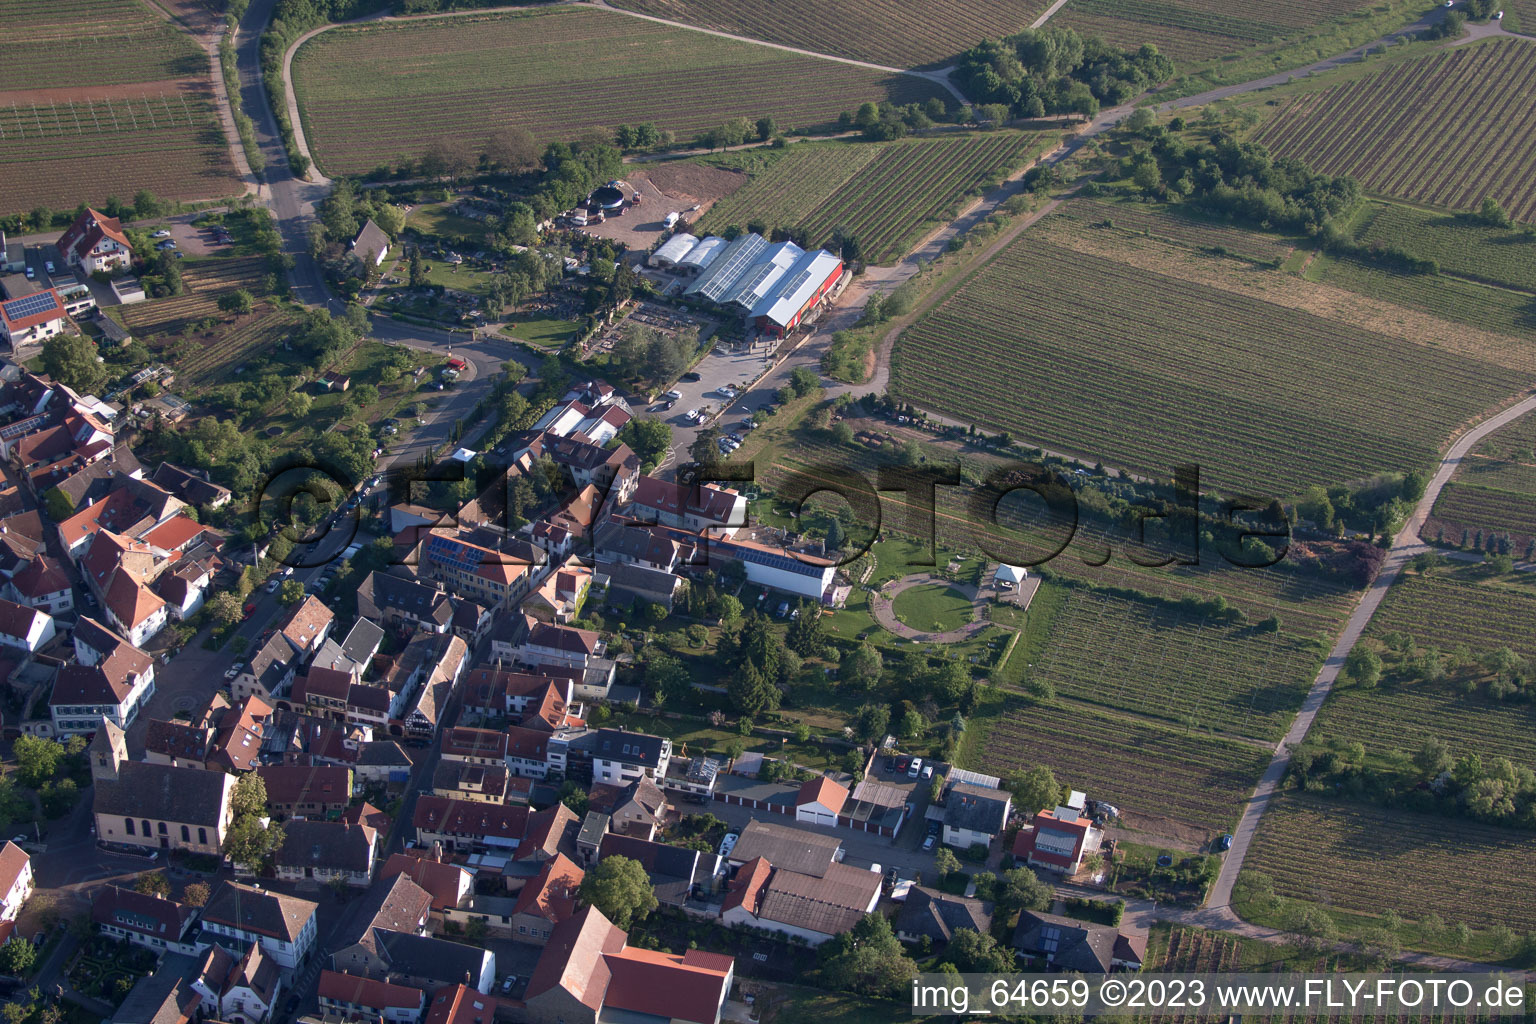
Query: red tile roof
<point x="307" y="783"/>
<point x="90" y="228"/>
<point x="130" y="602"/>
<point x="442" y="882"/>
<point x="747" y="887"/>
<point x="460" y="1004"/>
<point x="573" y="958"/>
<point x="368" y="992"/>
<point x="13" y="860"/>
<point x="823" y="791"/>
<point x="175" y="533"/>
<point x="469" y="818"/>
<point x="552" y="893"/>
<point x="689" y="987"/>
<point x="54" y="311"/>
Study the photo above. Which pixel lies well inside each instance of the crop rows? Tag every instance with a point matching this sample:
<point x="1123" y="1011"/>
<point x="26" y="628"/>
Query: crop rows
<point x="1447" y="612"/>
<point x="1076" y="351"/>
<point x="364" y="103"/>
<point x="1161" y="221"/>
<point x="783" y="192"/>
<point x="897" y="33"/>
<point x="1139" y="767"/>
<point x="912" y="184"/>
<point x="1480" y="306"/>
<point x="205" y="282"/>
<point x="91" y="43"/>
<point x="68" y="161"/>
<point x="1458" y="245"/>
<point x="1160" y="661"/>
<point x="1487" y="509"/>
<point x="1399" y="718"/>
<point x="232" y="345"/>
<point x="1194" y="30"/>
<point x="1449" y="130"/>
<point x="1372" y="859"/>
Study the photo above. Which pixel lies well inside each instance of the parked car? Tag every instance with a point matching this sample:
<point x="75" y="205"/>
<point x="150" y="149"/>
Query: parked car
<point x="902" y="762"/>
<point x="692" y="375"/>
<point x="162" y="233"/>
<point x="927" y="771"/>
<point x="673" y="395"/>
<point x="930" y="843"/>
<point x="1225" y="842"/>
<point x="250" y="609"/>
<point x="31" y="272"/>
<point x="729" y="843"/>
<point x="935" y="826"/>
<point x="915" y="768"/>
<point x="890" y="764"/>
<point x="48" y="265"/>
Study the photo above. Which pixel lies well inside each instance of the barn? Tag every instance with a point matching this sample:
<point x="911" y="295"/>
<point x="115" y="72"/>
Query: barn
<point x="799" y="291"/>
<point x="820" y="801"/>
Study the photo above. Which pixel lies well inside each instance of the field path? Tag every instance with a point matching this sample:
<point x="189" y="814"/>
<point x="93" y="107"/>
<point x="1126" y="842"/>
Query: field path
<point x="1218" y="912"/>
<point x="1046" y="15"/>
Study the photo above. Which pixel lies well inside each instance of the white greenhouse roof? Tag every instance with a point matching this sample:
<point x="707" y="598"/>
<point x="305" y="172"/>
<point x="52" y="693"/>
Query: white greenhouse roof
<point x="796" y="287"/>
<point x="674" y="248"/>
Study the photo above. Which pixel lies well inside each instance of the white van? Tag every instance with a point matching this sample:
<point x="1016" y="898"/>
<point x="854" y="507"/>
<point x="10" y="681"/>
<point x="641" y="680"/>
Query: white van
<point x="671" y="219"/>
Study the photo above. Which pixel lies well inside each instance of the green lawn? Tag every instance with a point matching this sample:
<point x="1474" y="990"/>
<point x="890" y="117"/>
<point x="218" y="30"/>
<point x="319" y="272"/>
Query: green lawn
<point x="936" y="608"/>
<point x="440" y="220"/>
<point x="544" y="332"/>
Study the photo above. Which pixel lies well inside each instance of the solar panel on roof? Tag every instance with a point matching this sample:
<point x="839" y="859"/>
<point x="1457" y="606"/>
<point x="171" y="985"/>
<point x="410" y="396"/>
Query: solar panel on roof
<point x="30" y="305"/>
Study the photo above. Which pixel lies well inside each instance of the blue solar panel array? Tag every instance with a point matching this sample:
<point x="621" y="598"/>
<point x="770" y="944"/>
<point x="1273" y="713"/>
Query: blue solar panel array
<point x="30" y="305"/>
<point x="785" y="563"/>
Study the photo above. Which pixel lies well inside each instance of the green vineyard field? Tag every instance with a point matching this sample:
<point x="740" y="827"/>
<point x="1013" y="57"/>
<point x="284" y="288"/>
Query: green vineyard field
<point x="1447" y="130"/>
<point x="381" y="94"/>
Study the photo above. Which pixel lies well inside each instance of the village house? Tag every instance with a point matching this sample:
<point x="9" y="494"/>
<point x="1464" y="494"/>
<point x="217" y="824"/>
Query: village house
<point x="238" y="915"/>
<point x="306" y="790"/>
<point x="23" y="627"/>
<point x="974" y="815"/>
<point x="357" y="997"/>
<point x="239" y="989"/>
<point x="96" y="242"/>
<point x="156" y="923"/>
<point x="110" y="678"/>
<point x="16" y="884"/>
<point x="326" y="851"/>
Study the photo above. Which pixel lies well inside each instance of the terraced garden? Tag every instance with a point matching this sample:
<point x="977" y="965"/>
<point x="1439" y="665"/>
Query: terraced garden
<point x="897" y="33"/>
<point x="205" y="282"/>
<point x="1147" y="371"/>
<point x="1194" y="30"/>
<point x="388" y="92"/>
<point x="103" y="98"/>
<point x="1138" y="766"/>
<point x="1169" y="663"/>
<point x="1448" y="130"/>
<point x="1371" y="859"/>
<point x="884" y="195"/>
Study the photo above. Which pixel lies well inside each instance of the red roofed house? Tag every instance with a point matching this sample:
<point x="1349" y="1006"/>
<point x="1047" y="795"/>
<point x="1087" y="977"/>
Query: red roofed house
<point x="447" y="884"/>
<point x="588" y="971"/>
<point x="113" y="684"/>
<point x="150" y="921"/>
<point x="460" y="1004"/>
<point x="32" y="319"/>
<point x="546" y="899"/>
<point x="23" y="627"/>
<point x="353" y="997"/>
<point x="43" y="585"/>
<point x="1058" y="840"/>
<point x="95" y="242"/>
<point x="820" y="801"/>
<point x="469" y="826"/>
<point x="306" y="790"/>
<point x="15" y="886"/>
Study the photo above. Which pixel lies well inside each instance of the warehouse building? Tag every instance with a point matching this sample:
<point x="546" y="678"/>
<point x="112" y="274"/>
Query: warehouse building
<point x="777" y="286"/>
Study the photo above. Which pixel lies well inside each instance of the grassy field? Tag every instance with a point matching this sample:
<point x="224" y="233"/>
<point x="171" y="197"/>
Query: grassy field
<point x="933" y="608"/>
<point x="1185" y="227"/>
<point x="884" y="194"/>
<point x="1448" y="130"/>
<point x="1147" y="356"/>
<point x="383" y="93"/>
<point x="545" y="332"/>
<point x="1457" y="244"/>
<point x="1484" y="307"/>
<point x="1370" y="860"/>
<point x="896" y="33"/>
<point x="104" y="98"/>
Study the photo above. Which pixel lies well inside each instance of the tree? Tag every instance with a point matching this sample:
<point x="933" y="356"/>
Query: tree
<point x="238" y="302"/>
<point x="805" y="636"/>
<point x="291" y="592"/>
<point x="666" y="678"/>
<point x="513" y="149"/>
<point x="945" y="862"/>
<point x="751" y="691"/>
<point x="1022" y="889"/>
<point x="974" y="952"/>
<point x="146" y="204"/>
<point x="765" y="129"/>
<point x="225" y="608"/>
<point x="867" y="959"/>
<point x="36" y="759"/>
<point x="153" y="883"/>
<point x="620" y="888"/>
<point x="249" y="797"/>
<point x="912" y="724"/>
<point x="17" y="958"/>
<point x="1035" y="789"/>
<point x="195" y="894"/>
<point x="1363" y="665"/>
<point x="870" y="722"/>
<point x="861" y="666"/>
<point x="730" y="611"/>
<point x="71" y="360"/>
<point x="250" y="843"/>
